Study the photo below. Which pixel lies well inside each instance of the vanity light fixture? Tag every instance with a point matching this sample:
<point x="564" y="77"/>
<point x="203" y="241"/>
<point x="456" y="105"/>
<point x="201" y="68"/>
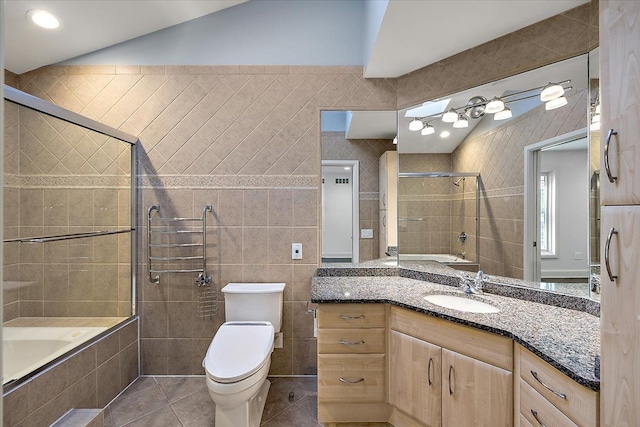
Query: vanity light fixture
<point x="428" y="130"/>
<point x="444" y="134"/>
<point x="43" y="18"/>
<point x="462" y="122"/>
<point x="555" y="103"/>
<point x="551" y="91"/>
<point x="503" y="115"/>
<point x="450" y="116"/>
<point x="495" y="105"/>
<point x="552" y="94"/>
<point x="416" y="125"/>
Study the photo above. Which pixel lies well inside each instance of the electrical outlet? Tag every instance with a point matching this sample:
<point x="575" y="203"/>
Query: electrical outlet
<point x="278" y="340"/>
<point x="296" y="251"/>
<point x="577" y="256"/>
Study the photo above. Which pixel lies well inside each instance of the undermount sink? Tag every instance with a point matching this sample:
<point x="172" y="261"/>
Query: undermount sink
<point x="461" y="304"/>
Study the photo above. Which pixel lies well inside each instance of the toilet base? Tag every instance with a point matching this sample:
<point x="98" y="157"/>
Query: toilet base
<point x="248" y="414"/>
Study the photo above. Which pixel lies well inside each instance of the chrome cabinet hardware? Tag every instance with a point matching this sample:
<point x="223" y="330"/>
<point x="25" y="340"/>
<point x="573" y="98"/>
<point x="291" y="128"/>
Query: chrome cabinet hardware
<point x="607" y="167"/>
<point x="560" y="395"/>
<point x="535" y="415"/>
<point x="343" y="317"/>
<point x="346" y="381"/>
<point x="384" y="220"/>
<point x="343" y="342"/>
<point x="450" y="382"/>
<point x="607" y="247"/>
<point x="429" y="367"/>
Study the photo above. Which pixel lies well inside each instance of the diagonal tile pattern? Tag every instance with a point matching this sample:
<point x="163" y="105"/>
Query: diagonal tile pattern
<point x="185" y="402"/>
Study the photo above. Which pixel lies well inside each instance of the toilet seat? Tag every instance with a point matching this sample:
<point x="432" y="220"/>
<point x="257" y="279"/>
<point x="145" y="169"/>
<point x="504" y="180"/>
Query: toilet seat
<point x="238" y="350"/>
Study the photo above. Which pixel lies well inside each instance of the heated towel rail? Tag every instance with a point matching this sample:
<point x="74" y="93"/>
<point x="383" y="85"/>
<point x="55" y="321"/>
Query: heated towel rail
<point x="171" y="241"/>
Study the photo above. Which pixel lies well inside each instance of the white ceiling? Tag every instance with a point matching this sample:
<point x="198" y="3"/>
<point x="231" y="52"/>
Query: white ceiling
<point x="416" y="33"/>
<point x="413" y="34"/>
<point x="90" y="25"/>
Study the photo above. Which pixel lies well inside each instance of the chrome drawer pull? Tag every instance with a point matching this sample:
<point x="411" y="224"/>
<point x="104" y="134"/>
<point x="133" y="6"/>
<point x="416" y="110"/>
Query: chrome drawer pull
<point x="450" y="384"/>
<point x="346" y="381"/>
<point x="343" y="317"/>
<point x="429" y="370"/>
<point x="607" y="168"/>
<point x="535" y="415"/>
<point x="343" y="342"/>
<point x="607" y="246"/>
<point x="560" y="395"/>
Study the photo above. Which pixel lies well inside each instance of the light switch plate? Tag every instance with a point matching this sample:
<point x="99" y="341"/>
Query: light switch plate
<point x="366" y="233"/>
<point x="296" y="251"/>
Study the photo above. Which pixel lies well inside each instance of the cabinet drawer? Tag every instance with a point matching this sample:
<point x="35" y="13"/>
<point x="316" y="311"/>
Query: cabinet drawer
<point x="532" y="402"/>
<point x="581" y="404"/>
<point x="337" y="316"/>
<point x="351" y="378"/>
<point x="351" y="340"/>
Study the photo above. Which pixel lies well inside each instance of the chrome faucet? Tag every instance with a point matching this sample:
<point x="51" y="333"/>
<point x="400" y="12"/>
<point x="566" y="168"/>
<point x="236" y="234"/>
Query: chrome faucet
<point x="473" y="285"/>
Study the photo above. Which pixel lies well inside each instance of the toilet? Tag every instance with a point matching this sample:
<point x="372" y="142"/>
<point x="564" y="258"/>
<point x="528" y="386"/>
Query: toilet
<point x="239" y="356"/>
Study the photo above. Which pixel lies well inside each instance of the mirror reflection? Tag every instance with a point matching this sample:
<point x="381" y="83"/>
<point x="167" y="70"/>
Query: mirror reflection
<point x="485" y="131"/>
<point x="462" y="183"/>
<point x="358" y="152"/>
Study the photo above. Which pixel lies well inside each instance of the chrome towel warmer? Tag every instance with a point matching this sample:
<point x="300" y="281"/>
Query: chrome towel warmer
<point x="170" y="228"/>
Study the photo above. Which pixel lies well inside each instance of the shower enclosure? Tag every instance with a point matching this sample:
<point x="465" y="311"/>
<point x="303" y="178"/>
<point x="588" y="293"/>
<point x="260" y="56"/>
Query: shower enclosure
<point x="438" y="218"/>
<point x="69" y="233"/>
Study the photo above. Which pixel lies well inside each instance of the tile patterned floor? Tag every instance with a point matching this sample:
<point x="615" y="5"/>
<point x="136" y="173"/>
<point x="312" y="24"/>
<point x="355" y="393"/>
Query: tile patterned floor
<point x="185" y="402"/>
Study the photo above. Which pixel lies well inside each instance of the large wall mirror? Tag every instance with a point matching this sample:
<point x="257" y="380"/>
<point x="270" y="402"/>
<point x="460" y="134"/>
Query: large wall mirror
<point x="463" y="181"/>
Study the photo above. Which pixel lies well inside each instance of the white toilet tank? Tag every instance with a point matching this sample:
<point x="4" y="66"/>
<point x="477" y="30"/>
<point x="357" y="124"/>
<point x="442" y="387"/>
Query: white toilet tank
<point x="254" y="302"/>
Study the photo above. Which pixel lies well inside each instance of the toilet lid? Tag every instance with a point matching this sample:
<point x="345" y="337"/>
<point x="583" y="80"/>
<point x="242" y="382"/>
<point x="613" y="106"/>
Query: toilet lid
<point x="238" y="350"/>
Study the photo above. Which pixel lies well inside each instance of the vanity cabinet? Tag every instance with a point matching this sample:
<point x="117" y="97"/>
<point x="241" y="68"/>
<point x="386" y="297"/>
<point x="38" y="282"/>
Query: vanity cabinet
<point x="620" y="296"/>
<point x="352" y="373"/>
<point x="448" y="374"/>
<point x="553" y="397"/>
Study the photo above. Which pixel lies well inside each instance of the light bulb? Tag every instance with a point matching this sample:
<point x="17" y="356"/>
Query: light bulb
<point x="415" y="125"/>
<point x="395" y="140"/>
<point x="450" y="116"/>
<point x="444" y="134"/>
<point x="428" y="130"/>
<point x="555" y="103"/>
<point x="551" y="92"/>
<point x="495" y="106"/>
<point x="43" y="18"/>
<point x="462" y="122"/>
<point x="503" y="115"/>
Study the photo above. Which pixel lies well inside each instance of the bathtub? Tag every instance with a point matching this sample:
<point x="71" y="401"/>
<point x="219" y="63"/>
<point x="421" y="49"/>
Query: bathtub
<point x="443" y="258"/>
<point x="26" y="349"/>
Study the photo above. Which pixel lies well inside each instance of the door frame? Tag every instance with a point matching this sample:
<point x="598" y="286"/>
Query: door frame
<point x="532" y="259"/>
<point x="355" y="204"/>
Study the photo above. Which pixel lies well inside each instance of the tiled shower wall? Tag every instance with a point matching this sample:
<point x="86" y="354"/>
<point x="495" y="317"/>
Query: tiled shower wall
<point x="367" y="151"/>
<point x="59" y="179"/>
<point x="499" y="158"/>
<point x="244" y="139"/>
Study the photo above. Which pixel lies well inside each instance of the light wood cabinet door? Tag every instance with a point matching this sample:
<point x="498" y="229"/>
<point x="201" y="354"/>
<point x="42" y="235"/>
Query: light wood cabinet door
<point x="415" y="378"/>
<point x="475" y="393"/>
<point x="620" y="100"/>
<point x="620" y="319"/>
<point x="388" y="180"/>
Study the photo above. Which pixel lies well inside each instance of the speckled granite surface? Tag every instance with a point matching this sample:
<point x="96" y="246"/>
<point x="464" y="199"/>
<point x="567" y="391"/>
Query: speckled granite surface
<point x="436" y="272"/>
<point x="567" y="339"/>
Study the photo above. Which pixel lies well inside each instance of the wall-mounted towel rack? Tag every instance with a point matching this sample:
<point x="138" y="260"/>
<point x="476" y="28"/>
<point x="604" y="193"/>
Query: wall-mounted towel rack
<point x="172" y="237"/>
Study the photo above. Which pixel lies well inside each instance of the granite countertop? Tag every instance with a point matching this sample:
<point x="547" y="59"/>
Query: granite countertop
<point x="568" y="339"/>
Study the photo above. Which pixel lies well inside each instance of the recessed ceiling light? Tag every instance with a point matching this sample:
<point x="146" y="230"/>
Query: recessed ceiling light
<point x="444" y="134"/>
<point x="43" y="18"/>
